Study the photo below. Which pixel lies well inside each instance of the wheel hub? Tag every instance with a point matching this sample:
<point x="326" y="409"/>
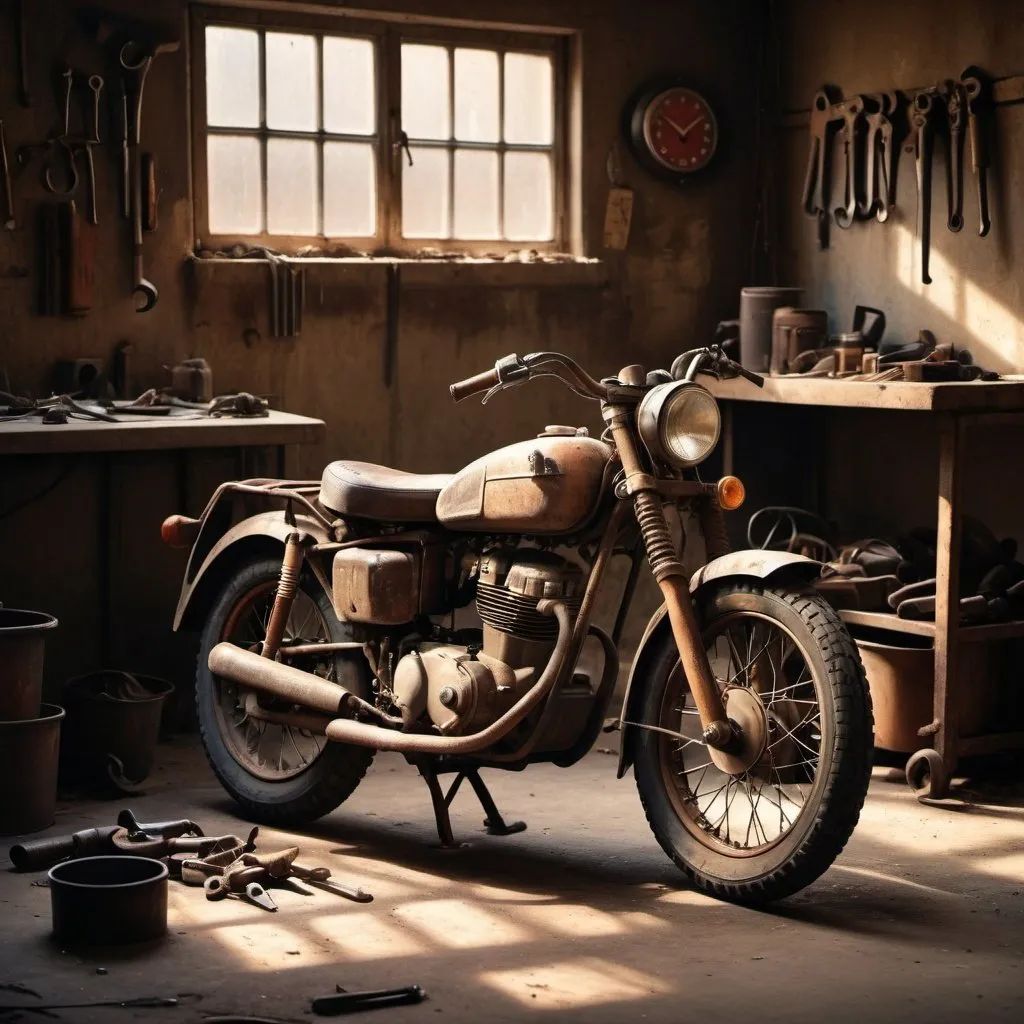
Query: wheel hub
<point x="744" y="707"/>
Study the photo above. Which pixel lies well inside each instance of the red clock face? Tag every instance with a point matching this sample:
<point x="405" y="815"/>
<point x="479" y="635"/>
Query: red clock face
<point x="680" y="131"/>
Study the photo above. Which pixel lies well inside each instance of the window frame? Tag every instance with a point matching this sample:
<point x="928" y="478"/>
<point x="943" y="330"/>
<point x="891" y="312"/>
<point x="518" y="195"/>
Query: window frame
<point x="387" y="37"/>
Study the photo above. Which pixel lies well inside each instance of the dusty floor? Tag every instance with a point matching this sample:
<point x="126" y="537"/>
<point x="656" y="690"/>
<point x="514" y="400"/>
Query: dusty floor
<point x="580" y="917"/>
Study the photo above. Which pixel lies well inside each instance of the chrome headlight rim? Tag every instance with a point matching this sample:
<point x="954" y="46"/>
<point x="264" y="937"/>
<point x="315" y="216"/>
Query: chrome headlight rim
<point x="654" y="413"/>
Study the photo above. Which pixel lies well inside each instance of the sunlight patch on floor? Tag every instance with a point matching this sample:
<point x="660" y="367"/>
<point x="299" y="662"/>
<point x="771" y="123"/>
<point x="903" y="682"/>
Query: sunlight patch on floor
<point x="458" y="924"/>
<point x="366" y="935"/>
<point x="573" y="920"/>
<point x="881" y="876"/>
<point x="268" y="944"/>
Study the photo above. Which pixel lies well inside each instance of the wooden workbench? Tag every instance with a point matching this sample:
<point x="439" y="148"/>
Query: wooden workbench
<point x="956" y="408"/>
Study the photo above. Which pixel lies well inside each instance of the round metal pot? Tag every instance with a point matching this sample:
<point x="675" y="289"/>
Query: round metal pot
<point x="22" y="639"/>
<point x="107" y="901"/>
<point x="28" y="772"/>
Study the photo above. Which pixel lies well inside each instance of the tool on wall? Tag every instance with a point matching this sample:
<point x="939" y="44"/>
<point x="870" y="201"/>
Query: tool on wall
<point x="956" y="113"/>
<point x="826" y="116"/>
<point x="96" y="86"/>
<point x="881" y="152"/>
<point x="287" y="294"/>
<point x="853" y="112"/>
<point x="80" y="249"/>
<point x="921" y="120"/>
<point x="979" y="102"/>
<point x="9" y="223"/>
<point x="149" y="192"/>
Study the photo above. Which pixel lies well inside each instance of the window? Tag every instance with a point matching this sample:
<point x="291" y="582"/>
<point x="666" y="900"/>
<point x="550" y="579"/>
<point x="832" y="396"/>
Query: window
<point x="381" y="136"/>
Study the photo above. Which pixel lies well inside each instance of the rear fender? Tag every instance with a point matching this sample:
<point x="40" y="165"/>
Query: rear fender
<point x="776" y="566"/>
<point x="217" y="555"/>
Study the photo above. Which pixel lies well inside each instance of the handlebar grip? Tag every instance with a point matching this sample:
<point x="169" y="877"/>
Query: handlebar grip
<point x="754" y="378"/>
<point x="474" y="385"/>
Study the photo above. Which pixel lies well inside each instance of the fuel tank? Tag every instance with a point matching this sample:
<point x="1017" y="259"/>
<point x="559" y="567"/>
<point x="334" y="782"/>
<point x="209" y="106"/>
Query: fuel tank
<point x="549" y="485"/>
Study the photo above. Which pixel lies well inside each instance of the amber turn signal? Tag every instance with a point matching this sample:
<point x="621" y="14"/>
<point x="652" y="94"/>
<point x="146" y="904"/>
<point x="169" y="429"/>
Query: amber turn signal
<point x="179" y="531"/>
<point x="731" y="493"/>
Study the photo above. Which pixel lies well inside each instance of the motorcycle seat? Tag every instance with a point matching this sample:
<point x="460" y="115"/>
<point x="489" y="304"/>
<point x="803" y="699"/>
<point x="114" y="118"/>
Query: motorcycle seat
<point x="366" y="491"/>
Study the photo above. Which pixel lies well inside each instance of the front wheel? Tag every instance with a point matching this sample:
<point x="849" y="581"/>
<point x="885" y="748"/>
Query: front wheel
<point x="769" y="822"/>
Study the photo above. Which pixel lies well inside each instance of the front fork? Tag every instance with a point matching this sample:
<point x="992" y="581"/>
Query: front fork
<point x="718" y="731"/>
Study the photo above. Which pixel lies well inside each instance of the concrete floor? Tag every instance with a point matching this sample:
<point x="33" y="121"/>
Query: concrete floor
<point x="581" y="917"/>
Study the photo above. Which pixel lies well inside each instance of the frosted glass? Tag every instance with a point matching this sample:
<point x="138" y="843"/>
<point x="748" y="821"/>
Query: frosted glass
<point x="349" y="86"/>
<point x="529" y="99"/>
<point x="425" y="194"/>
<point x="425" y="99"/>
<point x="234" y="188"/>
<point x="476" y="96"/>
<point x="529" y="207"/>
<point x="232" y="77"/>
<point x="291" y="187"/>
<point x="350" y="190"/>
<point x="291" y="82"/>
<point x="476" y="193"/>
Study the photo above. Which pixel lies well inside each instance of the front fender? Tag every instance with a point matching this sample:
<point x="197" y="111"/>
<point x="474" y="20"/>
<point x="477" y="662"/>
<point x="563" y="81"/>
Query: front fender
<point x="756" y="564"/>
<point x="266" y="531"/>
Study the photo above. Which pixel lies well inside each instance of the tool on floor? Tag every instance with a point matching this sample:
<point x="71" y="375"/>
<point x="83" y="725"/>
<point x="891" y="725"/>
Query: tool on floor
<point x="826" y="116"/>
<point x="354" y="1002"/>
<point x="8" y="192"/>
<point x="880" y="160"/>
<point x="922" y="122"/>
<point x="979" y="99"/>
<point x="24" y="94"/>
<point x="142" y="1003"/>
<point x="853" y="112"/>
<point x="956" y="114"/>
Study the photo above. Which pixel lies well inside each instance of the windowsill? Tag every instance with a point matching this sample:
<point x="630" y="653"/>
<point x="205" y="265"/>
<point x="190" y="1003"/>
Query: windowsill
<point x="450" y="271"/>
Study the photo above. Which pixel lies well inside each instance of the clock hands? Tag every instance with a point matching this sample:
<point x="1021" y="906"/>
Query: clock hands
<point x="683" y="132"/>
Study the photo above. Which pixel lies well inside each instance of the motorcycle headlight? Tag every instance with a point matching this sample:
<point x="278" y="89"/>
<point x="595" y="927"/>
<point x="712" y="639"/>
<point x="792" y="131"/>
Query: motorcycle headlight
<point x="680" y="423"/>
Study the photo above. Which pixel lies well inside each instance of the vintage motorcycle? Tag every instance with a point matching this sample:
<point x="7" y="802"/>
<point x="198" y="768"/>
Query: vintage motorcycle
<point x="329" y="631"/>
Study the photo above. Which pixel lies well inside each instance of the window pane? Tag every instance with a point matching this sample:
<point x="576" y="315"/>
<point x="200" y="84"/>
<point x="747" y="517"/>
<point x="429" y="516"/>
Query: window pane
<point x="232" y="77"/>
<point x="425" y="194"/>
<point x="291" y="82"/>
<point x="476" y="193"/>
<point x="291" y="187"/>
<point x="350" y="190"/>
<point x="476" y="95"/>
<point x="425" y="113"/>
<point x="233" y="172"/>
<point x="529" y="99"/>
<point x="349" y="86"/>
<point x="529" y="210"/>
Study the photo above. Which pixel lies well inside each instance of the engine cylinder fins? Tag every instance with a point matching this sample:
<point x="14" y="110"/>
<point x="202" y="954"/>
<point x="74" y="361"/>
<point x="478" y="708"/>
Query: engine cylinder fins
<point x="516" y="614"/>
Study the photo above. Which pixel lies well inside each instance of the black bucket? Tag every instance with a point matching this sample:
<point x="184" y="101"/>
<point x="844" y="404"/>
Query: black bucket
<point x="22" y="640"/>
<point x="108" y="901"/>
<point x="28" y="772"/>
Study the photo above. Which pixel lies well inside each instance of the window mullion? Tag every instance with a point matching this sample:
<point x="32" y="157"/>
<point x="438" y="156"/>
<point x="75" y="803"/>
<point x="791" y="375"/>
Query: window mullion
<point x="501" y="145"/>
<point x="390" y="127"/>
<point x="264" y="225"/>
<point x="451" y="147"/>
<point x="320" y="144"/>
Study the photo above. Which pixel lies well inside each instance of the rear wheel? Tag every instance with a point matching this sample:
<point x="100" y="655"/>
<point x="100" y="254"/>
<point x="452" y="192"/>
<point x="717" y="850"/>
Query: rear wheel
<point x="278" y="774"/>
<point x="772" y="820"/>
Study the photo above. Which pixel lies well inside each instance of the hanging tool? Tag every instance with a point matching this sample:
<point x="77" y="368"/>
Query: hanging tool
<point x="8" y="193"/>
<point x="825" y="118"/>
<point x="59" y="149"/>
<point x="853" y="112"/>
<point x="979" y="102"/>
<point x="149" y="194"/>
<point x="80" y="247"/>
<point x="126" y="172"/>
<point x="353" y="1002"/>
<point x="96" y="85"/>
<point x="24" y="96"/>
<point x="880" y="157"/>
<point x="956" y="112"/>
<point x="921" y="119"/>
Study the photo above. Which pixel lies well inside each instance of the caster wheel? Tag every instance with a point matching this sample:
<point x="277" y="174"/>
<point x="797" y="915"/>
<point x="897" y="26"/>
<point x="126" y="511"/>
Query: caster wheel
<point x="926" y="775"/>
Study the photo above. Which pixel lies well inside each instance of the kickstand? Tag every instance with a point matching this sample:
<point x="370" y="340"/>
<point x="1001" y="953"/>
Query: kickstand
<point x="494" y="822"/>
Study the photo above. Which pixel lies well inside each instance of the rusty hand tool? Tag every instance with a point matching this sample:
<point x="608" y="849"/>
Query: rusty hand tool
<point x="96" y="86"/>
<point x="853" y="112"/>
<point x="357" y="895"/>
<point x="922" y="112"/>
<point x="979" y="98"/>
<point x="8" y="193"/>
<point x="825" y="117"/>
<point x="880" y="157"/>
<point x="178" y="827"/>
<point x="353" y="1002"/>
<point x="956" y="109"/>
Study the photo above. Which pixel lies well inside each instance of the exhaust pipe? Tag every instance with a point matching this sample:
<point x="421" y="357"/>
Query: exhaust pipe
<point x="344" y="730"/>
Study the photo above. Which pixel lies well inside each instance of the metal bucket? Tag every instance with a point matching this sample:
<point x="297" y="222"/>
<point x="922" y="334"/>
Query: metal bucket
<point x="28" y="772"/>
<point x="107" y="901"/>
<point x="757" y="306"/>
<point x="22" y="639"/>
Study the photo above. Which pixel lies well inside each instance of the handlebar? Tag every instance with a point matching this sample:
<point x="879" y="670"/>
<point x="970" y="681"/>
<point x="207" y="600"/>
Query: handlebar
<point x="474" y="385"/>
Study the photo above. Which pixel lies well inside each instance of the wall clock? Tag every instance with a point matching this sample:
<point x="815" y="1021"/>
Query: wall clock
<point x="672" y="129"/>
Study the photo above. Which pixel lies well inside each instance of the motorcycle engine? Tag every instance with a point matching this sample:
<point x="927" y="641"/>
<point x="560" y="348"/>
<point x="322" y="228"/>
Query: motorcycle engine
<point x="464" y="689"/>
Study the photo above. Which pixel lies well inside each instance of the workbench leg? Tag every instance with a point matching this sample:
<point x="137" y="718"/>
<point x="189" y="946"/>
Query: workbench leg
<point x="947" y="597"/>
<point x="104" y="555"/>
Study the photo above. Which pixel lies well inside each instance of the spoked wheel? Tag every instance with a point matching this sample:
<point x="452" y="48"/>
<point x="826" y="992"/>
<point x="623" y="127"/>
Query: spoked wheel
<point x="277" y="773"/>
<point x="764" y="821"/>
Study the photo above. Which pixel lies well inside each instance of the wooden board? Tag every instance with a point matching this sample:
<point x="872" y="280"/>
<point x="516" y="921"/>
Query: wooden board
<point x="968" y="634"/>
<point x="973" y="396"/>
<point x="32" y="437"/>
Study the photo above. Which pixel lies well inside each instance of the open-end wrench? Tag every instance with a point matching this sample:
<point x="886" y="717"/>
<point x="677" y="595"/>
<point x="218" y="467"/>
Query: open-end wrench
<point x="880" y="160"/>
<point x="853" y="111"/>
<point x="956" y="110"/>
<point x="825" y="118"/>
<point x="922" y="110"/>
<point x="978" y="92"/>
<point x="96" y="85"/>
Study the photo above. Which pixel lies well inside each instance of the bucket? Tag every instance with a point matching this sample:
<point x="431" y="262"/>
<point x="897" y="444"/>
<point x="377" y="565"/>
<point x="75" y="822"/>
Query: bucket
<point x="757" y="305"/>
<point x="22" y="639"/>
<point x="901" y="676"/>
<point x="28" y="772"/>
<point x="106" y="901"/>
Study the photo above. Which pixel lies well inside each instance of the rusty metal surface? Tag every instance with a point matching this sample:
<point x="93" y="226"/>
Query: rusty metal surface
<point x="284" y="596"/>
<point x="757" y="563"/>
<point x="376" y="586"/>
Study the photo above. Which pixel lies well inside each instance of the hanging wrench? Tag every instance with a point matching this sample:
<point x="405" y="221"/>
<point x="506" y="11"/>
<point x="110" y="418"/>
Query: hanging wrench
<point x="956" y="104"/>
<point x="921" y="123"/>
<point x="853" y="111"/>
<point x="825" y="117"/>
<point x="978" y="92"/>
<point x="880" y="159"/>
